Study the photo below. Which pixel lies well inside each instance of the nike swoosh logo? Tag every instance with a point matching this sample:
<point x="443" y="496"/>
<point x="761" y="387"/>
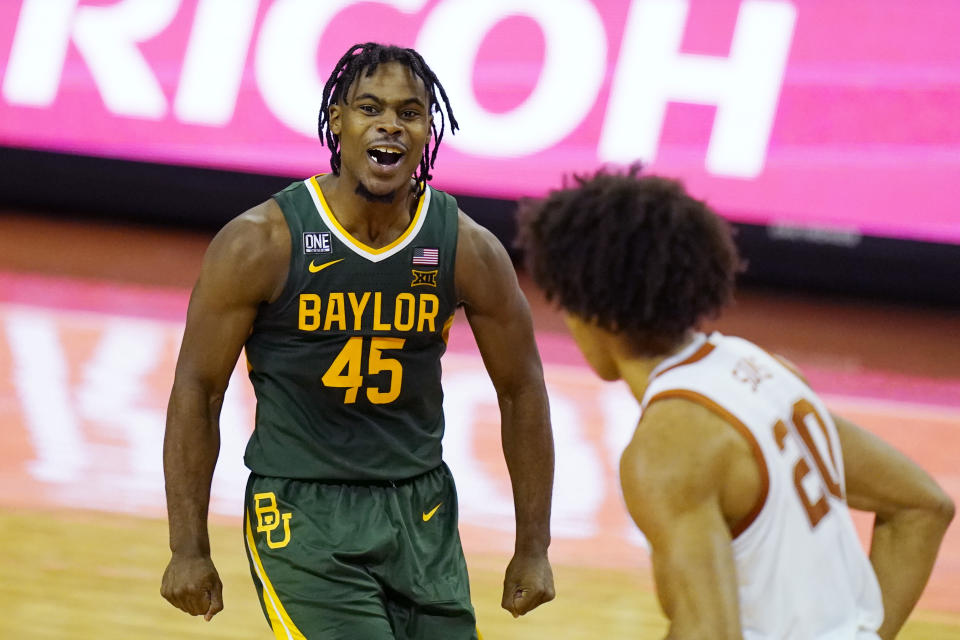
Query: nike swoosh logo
<point x="319" y="267"/>
<point x="427" y="516"/>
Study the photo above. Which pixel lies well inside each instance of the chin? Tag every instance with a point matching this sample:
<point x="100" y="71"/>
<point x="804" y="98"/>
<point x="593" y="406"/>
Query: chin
<point x="385" y="186"/>
<point x="608" y="374"/>
<point x="387" y="181"/>
<point x="601" y="366"/>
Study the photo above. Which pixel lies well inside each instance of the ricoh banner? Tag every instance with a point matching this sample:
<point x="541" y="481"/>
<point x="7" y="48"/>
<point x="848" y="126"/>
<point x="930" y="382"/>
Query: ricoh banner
<point x="837" y="115"/>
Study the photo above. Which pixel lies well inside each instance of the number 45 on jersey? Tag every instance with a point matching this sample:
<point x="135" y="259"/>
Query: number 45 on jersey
<point x="345" y="371"/>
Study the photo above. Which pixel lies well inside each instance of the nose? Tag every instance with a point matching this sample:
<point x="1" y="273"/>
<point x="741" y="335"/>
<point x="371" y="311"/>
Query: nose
<point x="389" y="123"/>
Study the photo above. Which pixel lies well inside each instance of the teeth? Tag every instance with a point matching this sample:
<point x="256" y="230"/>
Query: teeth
<point x="385" y="156"/>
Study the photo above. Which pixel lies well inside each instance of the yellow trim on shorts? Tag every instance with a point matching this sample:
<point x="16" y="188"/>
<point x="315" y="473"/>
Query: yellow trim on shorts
<point x="280" y="622"/>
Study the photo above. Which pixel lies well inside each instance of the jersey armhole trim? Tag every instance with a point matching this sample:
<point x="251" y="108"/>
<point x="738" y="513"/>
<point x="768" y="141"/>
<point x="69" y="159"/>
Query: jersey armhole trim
<point x="294" y="228"/>
<point x="733" y="421"/>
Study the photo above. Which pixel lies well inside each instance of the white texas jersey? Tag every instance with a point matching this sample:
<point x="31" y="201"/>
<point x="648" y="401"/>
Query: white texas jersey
<point x="801" y="570"/>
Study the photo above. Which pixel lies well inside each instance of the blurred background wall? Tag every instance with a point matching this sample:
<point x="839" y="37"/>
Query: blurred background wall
<point x="826" y="131"/>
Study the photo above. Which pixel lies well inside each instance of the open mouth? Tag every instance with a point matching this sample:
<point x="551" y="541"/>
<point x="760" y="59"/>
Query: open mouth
<point x="385" y="157"/>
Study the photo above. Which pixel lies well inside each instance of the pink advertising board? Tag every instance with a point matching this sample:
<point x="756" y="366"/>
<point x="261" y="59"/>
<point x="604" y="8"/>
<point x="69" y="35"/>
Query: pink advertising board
<point x="838" y="115"/>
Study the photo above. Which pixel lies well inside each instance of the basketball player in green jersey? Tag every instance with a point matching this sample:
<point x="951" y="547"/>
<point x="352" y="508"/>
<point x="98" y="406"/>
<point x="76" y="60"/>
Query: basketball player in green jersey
<point x="342" y="289"/>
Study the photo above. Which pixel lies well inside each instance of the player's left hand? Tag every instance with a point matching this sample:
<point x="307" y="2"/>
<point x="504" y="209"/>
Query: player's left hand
<point x="528" y="584"/>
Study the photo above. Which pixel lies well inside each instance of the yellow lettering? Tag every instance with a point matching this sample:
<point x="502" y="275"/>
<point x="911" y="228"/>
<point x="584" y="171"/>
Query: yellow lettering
<point x="344" y="371"/>
<point x="391" y="365"/>
<point x="309" y="318"/>
<point x="358" y="307"/>
<point x="407" y="312"/>
<point x="377" y="325"/>
<point x="336" y="312"/>
<point x="269" y="518"/>
<point x="404" y="300"/>
<point x="428" y="316"/>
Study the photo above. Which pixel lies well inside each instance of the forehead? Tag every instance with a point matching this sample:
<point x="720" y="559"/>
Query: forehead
<point x="389" y="81"/>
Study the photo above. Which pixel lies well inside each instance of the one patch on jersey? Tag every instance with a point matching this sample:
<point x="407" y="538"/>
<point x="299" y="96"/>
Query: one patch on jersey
<point x="424" y="278"/>
<point x="317" y="242"/>
<point x="426" y="256"/>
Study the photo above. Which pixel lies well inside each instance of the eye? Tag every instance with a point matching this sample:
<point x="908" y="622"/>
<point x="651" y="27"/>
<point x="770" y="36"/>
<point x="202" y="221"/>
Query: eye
<point x="369" y="109"/>
<point x="410" y="113"/>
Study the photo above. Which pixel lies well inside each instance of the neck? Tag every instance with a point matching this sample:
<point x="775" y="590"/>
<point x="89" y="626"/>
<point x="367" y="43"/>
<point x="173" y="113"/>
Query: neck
<point x="636" y="368"/>
<point x="362" y="191"/>
<point x="373" y="219"/>
<point x="636" y="373"/>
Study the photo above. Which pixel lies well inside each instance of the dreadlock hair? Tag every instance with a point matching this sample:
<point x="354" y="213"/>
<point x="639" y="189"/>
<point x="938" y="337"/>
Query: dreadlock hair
<point x="364" y="58"/>
<point x="635" y="255"/>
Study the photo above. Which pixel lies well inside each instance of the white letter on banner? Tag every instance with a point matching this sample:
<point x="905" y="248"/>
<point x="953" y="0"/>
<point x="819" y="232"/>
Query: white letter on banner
<point x="107" y="37"/>
<point x="38" y="51"/>
<point x="576" y="51"/>
<point x="745" y="86"/>
<point x="215" y="59"/>
<point x="286" y="67"/>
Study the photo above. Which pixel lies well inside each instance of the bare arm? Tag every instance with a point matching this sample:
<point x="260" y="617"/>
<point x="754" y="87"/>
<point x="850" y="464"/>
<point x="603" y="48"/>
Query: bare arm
<point x="501" y="322"/>
<point x="245" y="265"/>
<point x="912" y="515"/>
<point x="672" y="475"/>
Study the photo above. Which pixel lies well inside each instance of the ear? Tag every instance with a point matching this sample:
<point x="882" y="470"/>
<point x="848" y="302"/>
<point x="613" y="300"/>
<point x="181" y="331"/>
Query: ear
<point x="335" y="112"/>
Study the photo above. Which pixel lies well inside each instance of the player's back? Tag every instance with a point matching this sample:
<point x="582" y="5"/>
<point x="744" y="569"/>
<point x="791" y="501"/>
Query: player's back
<point x="801" y="570"/>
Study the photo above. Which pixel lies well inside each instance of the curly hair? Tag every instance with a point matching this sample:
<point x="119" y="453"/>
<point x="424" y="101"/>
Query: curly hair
<point x="365" y="58"/>
<point x="633" y="254"/>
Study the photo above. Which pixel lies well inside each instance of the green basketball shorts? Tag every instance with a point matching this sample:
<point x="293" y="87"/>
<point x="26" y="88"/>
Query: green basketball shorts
<point x="362" y="562"/>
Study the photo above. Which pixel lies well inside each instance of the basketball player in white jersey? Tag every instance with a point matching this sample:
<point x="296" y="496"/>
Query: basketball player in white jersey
<point x="737" y="473"/>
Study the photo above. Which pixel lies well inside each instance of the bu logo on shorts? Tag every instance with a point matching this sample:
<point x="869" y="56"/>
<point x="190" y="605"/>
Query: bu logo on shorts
<point x="269" y="518"/>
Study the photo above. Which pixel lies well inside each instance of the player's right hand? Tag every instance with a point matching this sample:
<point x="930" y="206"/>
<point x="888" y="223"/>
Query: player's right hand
<point x="191" y="583"/>
<point x="528" y="583"/>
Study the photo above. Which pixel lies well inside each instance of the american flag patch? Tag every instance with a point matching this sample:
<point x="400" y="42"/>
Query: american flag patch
<point x="425" y="256"/>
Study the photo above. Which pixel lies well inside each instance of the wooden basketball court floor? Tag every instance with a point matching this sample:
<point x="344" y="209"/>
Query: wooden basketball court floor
<point x="90" y="318"/>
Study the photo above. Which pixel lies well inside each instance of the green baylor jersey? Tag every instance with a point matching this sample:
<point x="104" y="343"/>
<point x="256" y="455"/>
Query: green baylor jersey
<point x="345" y="364"/>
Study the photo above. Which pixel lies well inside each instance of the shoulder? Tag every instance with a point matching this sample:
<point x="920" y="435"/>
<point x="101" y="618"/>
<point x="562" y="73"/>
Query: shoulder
<point x="255" y="234"/>
<point x="484" y="272"/>
<point x="683" y="441"/>
<point x="477" y="243"/>
<point x="677" y="463"/>
<point x="440" y="198"/>
<point x="790" y="366"/>
<point x="254" y="248"/>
